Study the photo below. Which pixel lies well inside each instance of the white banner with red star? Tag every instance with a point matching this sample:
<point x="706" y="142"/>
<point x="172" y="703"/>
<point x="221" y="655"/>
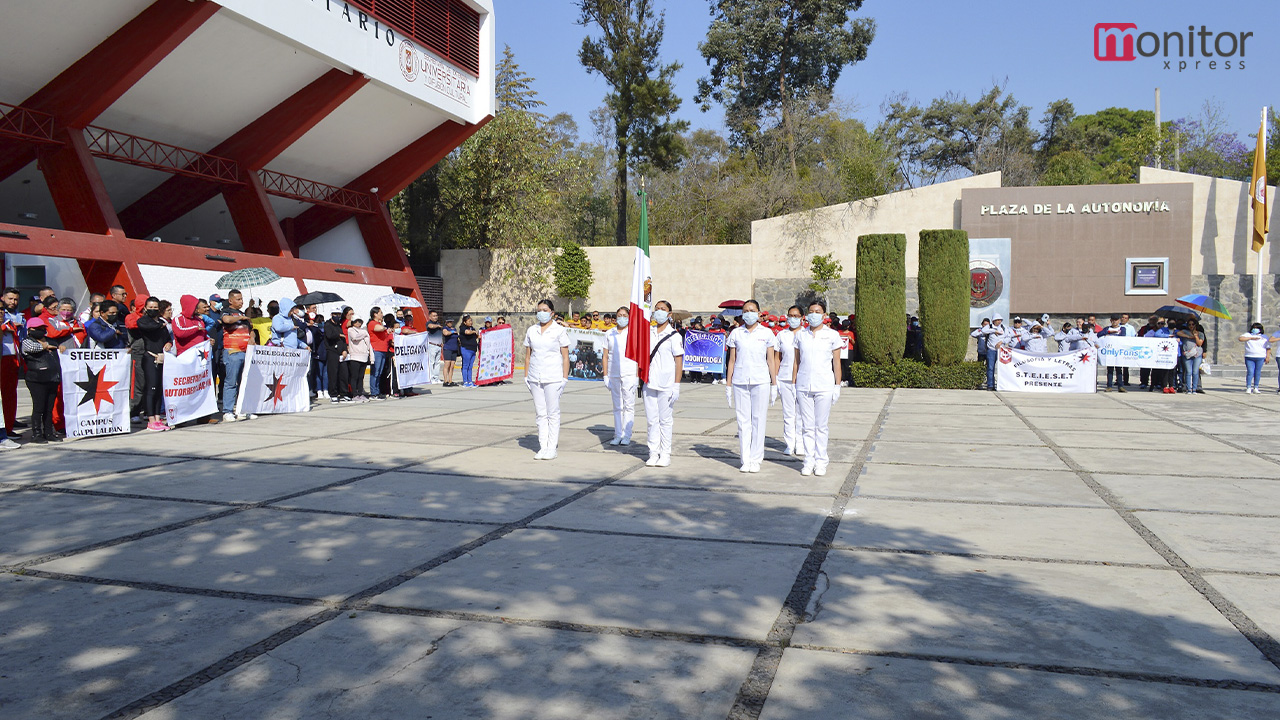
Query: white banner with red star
<point x="1138" y="352"/>
<point x="95" y="391"/>
<point x="274" y="381"/>
<point x="1069" y="372"/>
<point x="188" y="385"/>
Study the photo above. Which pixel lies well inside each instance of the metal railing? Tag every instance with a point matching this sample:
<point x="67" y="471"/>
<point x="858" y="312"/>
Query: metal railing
<point x="296" y="188"/>
<point x="26" y="124"/>
<point x="153" y="154"/>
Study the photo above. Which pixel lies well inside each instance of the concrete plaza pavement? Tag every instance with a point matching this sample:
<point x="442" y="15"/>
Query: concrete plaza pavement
<point x="969" y="555"/>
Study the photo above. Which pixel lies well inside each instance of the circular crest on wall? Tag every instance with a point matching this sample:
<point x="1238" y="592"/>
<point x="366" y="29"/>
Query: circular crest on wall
<point x="986" y="283"/>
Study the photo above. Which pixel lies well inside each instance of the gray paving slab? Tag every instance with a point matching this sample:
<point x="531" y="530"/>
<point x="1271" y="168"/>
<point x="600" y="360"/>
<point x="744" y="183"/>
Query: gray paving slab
<point x="276" y="552"/>
<point x="915" y="396"/>
<point x="70" y="650"/>
<point x="728" y="447"/>
<point x="994" y="485"/>
<point x="1084" y="412"/>
<point x="451" y="433"/>
<point x="299" y="425"/>
<point x="165" y="445"/>
<point x="512" y="462"/>
<point x="1127" y="619"/>
<point x="1218" y="541"/>
<point x="449" y="497"/>
<point x="1145" y="424"/>
<point x="836" y="686"/>
<point x="978" y="434"/>
<point x="34" y="466"/>
<point x="1198" y="494"/>
<point x="836" y="431"/>
<point x="656" y="584"/>
<point x="1171" y="462"/>
<point x="1269" y="444"/>
<point x="696" y="513"/>
<point x="217" y="480"/>
<point x="1115" y="438"/>
<point x="977" y="412"/>
<point x="927" y="453"/>
<point x="379" y="667"/>
<point x="1257" y="597"/>
<point x="36" y="523"/>
<point x="723" y="474"/>
<point x="926" y="423"/>
<point x="364" y="453"/>
<point x="1033" y="532"/>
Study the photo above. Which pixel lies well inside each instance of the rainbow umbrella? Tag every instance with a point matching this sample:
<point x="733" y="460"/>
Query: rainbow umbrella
<point x="1204" y="304"/>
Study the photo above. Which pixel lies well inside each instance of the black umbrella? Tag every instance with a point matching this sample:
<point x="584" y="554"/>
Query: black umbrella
<point x="1177" y="312"/>
<point x="317" y="298"/>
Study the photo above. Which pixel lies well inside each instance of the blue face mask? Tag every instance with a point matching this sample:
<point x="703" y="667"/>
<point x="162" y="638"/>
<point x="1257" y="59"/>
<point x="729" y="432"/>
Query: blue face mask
<point x="660" y="316"/>
<point x="544" y="317"/>
<point x="815" y="319"/>
<point x="750" y="318"/>
<point x="623" y="320"/>
<point x="794" y="322"/>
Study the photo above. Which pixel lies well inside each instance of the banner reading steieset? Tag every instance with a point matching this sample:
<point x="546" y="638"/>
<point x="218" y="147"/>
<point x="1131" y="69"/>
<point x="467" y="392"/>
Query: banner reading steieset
<point x="274" y="381"/>
<point x="1069" y="372"/>
<point x="1137" y="352"/>
<point x="95" y="391"/>
<point x="188" y="385"/>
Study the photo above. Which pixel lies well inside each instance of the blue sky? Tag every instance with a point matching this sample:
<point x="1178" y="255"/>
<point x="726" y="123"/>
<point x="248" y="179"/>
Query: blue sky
<point x="928" y="47"/>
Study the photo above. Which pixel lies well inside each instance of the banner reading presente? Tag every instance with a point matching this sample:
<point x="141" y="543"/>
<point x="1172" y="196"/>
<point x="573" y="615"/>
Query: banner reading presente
<point x="274" y="381"/>
<point x="1069" y="372"/>
<point x="496" y="356"/>
<point x="95" y="391"/>
<point x="586" y="354"/>
<point x="1137" y="352"/>
<point x="188" y="385"/>
<point x="417" y="360"/>
<point x="703" y="351"/>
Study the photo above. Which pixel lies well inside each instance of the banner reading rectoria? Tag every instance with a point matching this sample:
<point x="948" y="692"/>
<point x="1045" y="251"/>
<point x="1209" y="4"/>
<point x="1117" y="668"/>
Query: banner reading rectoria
<point x="274" y="381"/>
<point x="703" y="351"/>
<point x="496" y="356"/>
<point x="1139" y="352"/>
<point x="1069" y="372"/>
<point x="586" y="354"/>
<point x="188" y="385"/>
<point x="95" y="391"/>
<point x="417" y="360"/>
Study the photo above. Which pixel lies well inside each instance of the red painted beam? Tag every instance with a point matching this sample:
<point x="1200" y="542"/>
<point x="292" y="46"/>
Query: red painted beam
<point x="390" y="177"/>
<point x="254" y="218"/>
<point x="96" y="81"/>
<point x="100" y="275"/>
<point x="255" y="145"/>
<point x="77" y="188"/>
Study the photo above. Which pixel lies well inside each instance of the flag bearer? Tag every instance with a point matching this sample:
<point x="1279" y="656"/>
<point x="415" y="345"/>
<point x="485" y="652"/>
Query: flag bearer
<point x="662" y="390"/>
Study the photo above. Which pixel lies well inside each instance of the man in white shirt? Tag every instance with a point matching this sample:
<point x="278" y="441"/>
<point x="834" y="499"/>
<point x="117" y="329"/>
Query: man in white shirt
<point x="620" y="378"/>
<point x="817" y="379"/>
<point x="662" y="389"/>
<point x="750" y="383"/>
<point x="784" y="362"/>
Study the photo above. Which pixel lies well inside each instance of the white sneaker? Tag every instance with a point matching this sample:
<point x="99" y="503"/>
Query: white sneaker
<point x="252" y="416"/>
<point x="664" y="461"/>
<point x="755" y="467"/>
<point x="652" y="461"/>
<point x="540" y="454"/>
<point x="616" y="441"/>
<point x="789" y="451"/>
<point x="799" y="452"/>
<point x="746" y="468"/>
<point x="549" y="455"/>
<point x="820" y="470"/>
<point x="806" y="470"/>
<point x="8" y="444"/>
<point x="627" y="440"/>
<point x="228" y="417"/>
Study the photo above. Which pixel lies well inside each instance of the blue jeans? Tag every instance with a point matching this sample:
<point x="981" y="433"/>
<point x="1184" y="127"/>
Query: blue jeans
<point x="379" y="362"/>
<point x="1253" y="370"/>
<point x="992" y="356"/>
<point x="234" y="362"/>
<point x="1117" y="373"/>
<point x="1191" y="372"/>
<point x="468" y="358"/>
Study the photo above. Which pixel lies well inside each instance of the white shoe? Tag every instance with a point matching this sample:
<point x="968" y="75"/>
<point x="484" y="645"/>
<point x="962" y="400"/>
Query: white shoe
<point x="616" y="440"/>
<point x="627" y="440"/>
<point x="799" y="452"/>
<point x="806" y="470"/>
<point x="8" y="444"/>
<point x="820" y="470"/>
<point x="789" y="451"/>
<point x="549" y="455"/>
<point x="746" y="467"/>
<point x="252" y="416"/>
<point x="652" y="461"/>
<point x="755" y="467"/>
<point x="664" y="461"/>
<point x="539" y="455"/>
<point x="228" y="417"/>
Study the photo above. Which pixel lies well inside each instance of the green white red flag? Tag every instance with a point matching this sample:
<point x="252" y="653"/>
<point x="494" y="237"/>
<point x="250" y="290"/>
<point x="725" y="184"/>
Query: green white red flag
<point x="641" y="296"/>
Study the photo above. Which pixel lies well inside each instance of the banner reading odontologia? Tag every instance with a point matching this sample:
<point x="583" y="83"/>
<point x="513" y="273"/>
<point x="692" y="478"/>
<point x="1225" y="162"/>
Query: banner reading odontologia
<point x="703" y="351"/>
<point x="274" y="381"/>
<point x="188" y="385"/>
<point x="95" y="391"/>
<point x="1069" y="372"/>
<point x="416" y="359"/>
<point x="1138" y="352"/>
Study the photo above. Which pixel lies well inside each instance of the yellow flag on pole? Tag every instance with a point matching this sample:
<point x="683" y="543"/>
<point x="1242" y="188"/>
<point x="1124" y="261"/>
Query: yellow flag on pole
<point x="1258" y="199"/>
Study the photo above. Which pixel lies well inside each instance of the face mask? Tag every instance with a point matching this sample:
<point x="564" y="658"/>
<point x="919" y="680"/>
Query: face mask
<point x="794" y="322"/>
<point x="815" y="319"/>
<point x="750" y="318"/>
<point x="66" y="314"/>
<point x="544" y="317"/>
<point x="153" y="313"/>
<point x="660" y="317"/>
<point x="622" y="321"/>
<point x="1256" y="330"/>
<point x="36" y="333"/>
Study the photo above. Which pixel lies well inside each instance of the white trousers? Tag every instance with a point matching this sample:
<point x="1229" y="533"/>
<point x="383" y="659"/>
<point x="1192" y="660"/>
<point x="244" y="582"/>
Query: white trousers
<point x="623" y="392"/>
<point x="751" y="404"/>
<point x="546" y="405"/>
<point x="815" y="412"/>
<point x="659" y="408"/>
<point x="790" y="422"/>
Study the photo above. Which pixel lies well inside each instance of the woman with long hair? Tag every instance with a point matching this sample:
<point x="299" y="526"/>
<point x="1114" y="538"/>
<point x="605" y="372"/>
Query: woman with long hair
<point x="621" y="379"/>
<point x="449" y="353"/>
<point x="751" y="383"/>
<point x="469" y="340"/>
<point x="1192" y="337"/>
<point x="546" y="369"/>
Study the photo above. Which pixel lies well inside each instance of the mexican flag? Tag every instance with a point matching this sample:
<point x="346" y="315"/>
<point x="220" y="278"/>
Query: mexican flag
<point x="641" y="296"/>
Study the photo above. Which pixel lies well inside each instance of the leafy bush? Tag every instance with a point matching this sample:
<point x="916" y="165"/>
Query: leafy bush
<point x="825" y="270"/>
<point x="880" y="297"/>
<point x="573" y="273"/>
<point x="944" y="287"/>
<point x="915" y="374"/>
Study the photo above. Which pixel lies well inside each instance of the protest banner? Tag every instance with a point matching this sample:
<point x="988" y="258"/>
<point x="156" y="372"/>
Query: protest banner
<point x="414" y="361"/>
<point x="1137" y="352"/>
<point x="188" y="384"/>
<point x="496" y="358"/>
<point x="586" y="354"/>
<point x="1069" y="372"/>
<point x="274" y="381"/>
<point x="95" y="391"/>
<point x="704" y="351"/>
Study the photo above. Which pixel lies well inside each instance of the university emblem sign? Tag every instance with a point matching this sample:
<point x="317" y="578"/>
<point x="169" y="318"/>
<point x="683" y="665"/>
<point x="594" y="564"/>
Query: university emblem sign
<point x="986" y="283"/>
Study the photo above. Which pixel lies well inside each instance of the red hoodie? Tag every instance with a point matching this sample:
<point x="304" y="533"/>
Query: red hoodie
<point x="188" y="329"/>
<point x="139" y="306"/>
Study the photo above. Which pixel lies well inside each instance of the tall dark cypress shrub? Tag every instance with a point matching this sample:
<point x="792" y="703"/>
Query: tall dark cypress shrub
<point x="880" y="297"/>
<point x="944" y="295"/>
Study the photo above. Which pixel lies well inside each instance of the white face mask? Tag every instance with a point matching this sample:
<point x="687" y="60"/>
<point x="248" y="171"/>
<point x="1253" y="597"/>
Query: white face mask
<point x="794" y="322"/>
<point x="544" y="317"/>
<point x="750" y="318"/>
<point x="623" y="320"/>
<point x="660" y="317"/>
<point x="815" y="320"/>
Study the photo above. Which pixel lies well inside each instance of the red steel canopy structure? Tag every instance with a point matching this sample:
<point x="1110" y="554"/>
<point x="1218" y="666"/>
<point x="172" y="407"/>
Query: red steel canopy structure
<point x="237" y="133"/>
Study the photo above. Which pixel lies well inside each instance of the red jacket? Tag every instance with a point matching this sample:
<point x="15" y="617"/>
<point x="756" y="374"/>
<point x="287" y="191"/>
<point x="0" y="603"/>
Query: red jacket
<point x="188" y="329"/>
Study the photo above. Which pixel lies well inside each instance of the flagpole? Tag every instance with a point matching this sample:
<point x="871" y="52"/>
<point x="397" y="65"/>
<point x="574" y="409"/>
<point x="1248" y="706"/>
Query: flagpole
<point x="1257" y="283"/>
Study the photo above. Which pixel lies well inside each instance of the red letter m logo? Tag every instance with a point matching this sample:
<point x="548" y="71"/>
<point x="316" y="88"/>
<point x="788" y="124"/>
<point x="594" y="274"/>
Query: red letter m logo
<point x="1113" y="41"/>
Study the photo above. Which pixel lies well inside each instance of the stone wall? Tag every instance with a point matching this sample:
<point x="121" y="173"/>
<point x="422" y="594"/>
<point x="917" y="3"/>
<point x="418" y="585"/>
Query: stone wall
<point x="1235" y="292"/>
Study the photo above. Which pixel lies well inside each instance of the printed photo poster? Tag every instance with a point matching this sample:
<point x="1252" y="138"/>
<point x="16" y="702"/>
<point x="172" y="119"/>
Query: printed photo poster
<point x="188" y="384"/>
<point x="95" y="391"/>
<point x="1137" y="352"/>
<point x="704" y="351"/>
<point x="1069" y="372"/>
<point x="417" y="360"/>
<point x="496" y="358"/>
<point x="586" y="354"/>
<point x="274" y="381"/>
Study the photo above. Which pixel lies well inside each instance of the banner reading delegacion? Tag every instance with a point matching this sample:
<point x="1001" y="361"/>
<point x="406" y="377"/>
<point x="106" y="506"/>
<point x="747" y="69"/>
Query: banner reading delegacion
<point x="1137" y="352"/>
<point x="496" y="357"/>
<point x="586" y="354"/>
<point x="95" y="391"/>
<point x="416" y="360"/>
<point x="188" y="385"/>
<point x="274" y="381"/>
<point x="704" y="351"/>
<point x="1069" y="372"/>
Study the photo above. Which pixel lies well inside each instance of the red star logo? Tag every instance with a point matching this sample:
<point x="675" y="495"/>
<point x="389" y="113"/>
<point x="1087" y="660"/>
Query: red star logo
<point x="1084" y="357"/>
<point x="204" y="354"/>
<point x="277" y="386"/>
<point x="97" y="389"/>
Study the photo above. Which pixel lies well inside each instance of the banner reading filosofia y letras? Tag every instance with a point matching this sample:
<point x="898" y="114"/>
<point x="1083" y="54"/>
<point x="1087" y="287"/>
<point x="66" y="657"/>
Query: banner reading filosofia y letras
<point x="1069" y="372"/>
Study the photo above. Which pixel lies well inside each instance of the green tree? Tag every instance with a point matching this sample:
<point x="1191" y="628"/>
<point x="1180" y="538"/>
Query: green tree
<point x="944" y="295"/>
<point x="880" y="297"/>
<point x="767" y="55"/>
<point x="824" y="270"/>
<point x="1072" y="167"/>
<point x="513" y="87"/>
<point x="642" y="99"/>
<point x="573" y="274"/>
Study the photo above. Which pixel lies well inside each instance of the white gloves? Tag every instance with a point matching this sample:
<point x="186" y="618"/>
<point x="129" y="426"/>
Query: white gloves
<point x="675" y="392"/>
<point x="835" y="393"/>
<point x="607" y="383"/>
<point x="1044" y="318"/>
<point x="773" y="394"/>
<point x="728" y="394"/>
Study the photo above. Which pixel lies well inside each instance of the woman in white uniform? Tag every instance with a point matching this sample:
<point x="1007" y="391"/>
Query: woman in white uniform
<point x="620" y="378"/>
<point x="662" y="390"/>
<point x="784" y="362"/>
<point x="751" y="383"/>
<point x="817" y="379"/>
<point x="546" y="368"/>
